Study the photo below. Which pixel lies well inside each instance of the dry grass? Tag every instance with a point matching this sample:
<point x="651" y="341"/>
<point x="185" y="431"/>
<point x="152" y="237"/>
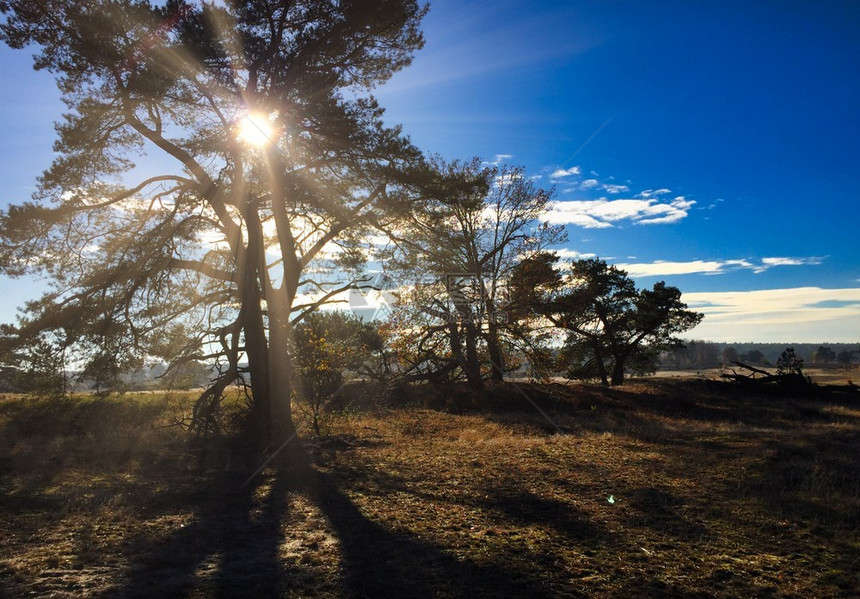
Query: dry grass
<point x="832" y="374"/>
<point x="661" y="488"/>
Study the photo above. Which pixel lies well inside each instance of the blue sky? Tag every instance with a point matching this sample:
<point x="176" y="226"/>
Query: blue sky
<point x="712" y="146"/>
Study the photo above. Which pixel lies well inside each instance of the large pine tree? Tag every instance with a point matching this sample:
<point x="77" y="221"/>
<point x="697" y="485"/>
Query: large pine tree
<point x="265" y="157"/>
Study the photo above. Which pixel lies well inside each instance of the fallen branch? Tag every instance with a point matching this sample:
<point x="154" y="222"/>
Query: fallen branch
<point x="786" y="379"/>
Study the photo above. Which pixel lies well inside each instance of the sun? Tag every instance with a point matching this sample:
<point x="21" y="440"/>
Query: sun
<point x="255" y="129"/>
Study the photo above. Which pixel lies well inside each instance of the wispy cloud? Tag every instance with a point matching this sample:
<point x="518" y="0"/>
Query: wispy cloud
<point x="801" y="314"/>
<point x="441" y="62"/>
<point x="660" y="268"/>
<point x="499" y="159"/>
<point x="568" y="254"/>
<point x="604" y="213"/>
<point x="569" y="182"/>
<point x="712" y="205"/>
<point x="507" y="179"/>
<point x="651" y="193"/>
<point x="562" y="172"/>
<point x="783" y="261"/>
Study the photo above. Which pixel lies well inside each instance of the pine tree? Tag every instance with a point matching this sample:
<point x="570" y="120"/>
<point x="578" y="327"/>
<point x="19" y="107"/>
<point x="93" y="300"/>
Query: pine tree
<point x="267" y="152"/>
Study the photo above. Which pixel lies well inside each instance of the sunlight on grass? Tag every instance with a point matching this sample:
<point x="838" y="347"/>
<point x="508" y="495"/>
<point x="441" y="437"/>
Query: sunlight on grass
<point x="96" y="487"/>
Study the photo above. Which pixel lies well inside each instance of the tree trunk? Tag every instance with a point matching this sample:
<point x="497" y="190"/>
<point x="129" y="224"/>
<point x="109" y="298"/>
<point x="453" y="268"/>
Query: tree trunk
<point x="468" y="363"/>
<point x="598" y="358"/>
<point x="473" y="363"/>
<point x="497" y="366"/>
<point x="494" y="346"/>
<point x="281" y="425"/>
<point x="251" y="281"/>
<point x="257" y="351"/>
<point x="280" y="303"/>
<point x="618" y="372"/>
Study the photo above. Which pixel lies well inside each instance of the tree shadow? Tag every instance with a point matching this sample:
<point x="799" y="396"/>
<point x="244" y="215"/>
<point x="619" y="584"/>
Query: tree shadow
<point x="659" y="510"/>
<point x="644" y="415"/>
<point x="561" y="409"/>
<point x="229" y="549"/>
<point x="565" y="519"/>
<point x="812" y="479"/>
<point x="811" y="487"/>
<point x="232" y="547"/>
<point x="378" y="562"/>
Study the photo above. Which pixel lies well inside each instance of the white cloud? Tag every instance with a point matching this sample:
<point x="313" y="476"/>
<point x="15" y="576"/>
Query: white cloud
<point x="594" y="183"/>
<point x="378" y="239"/>
<point x="499" y="158"/>
<point x="558" y="174"/>
<point x="660" y="268"/>
<point x="650" y="193"/>
<point x="568" y="254"/>
<point x="214" y="238"/>
<point x="602" y="213"/>
<point x="791" y="261"/>
<point x="767" y="263"/>
<point x="507" y="179"/>
<point x="615" y="188"/>
<point x="802" y="314"/>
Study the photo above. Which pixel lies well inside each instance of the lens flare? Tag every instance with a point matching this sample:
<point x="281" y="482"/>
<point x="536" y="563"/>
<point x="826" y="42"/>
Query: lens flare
<point x="255" y="129"/>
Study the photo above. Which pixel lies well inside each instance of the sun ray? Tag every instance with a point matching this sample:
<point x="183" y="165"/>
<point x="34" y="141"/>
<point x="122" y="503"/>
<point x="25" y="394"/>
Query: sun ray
<point x="255" y="129"/>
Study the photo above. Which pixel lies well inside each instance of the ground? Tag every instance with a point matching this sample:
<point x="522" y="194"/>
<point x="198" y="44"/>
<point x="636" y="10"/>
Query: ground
<point x="685" y="488"/>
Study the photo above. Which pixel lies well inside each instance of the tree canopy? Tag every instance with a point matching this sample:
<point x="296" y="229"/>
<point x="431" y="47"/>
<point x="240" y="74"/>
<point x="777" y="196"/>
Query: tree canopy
<point x="218" y="244"/>
<point x="610" y="324"/>
<point x="476" y="224"/>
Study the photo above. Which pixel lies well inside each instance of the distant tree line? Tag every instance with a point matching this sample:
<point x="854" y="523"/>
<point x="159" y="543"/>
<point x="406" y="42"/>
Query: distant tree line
<point x="708" y="354"/>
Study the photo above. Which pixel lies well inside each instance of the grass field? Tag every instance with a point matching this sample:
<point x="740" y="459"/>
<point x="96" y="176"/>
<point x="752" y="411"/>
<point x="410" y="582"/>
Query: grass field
<point x="832" y="375"/>
<point x="681" y="488"/>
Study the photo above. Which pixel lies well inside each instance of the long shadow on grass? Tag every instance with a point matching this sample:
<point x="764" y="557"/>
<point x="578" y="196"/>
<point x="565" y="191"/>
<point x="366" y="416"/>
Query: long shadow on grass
<point x="552" y="409"/>
<point x="527" y="508"/>
<point x="507" y="498"/>
<point x="812" y="486"/>
<point x="237" y="536"/>
<point x="645" y="415"/>
<point x="661" y="511"/>
<point x="813" y="479"/>
<point x="378" y="562"/>
<point x="722" y="402"/>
